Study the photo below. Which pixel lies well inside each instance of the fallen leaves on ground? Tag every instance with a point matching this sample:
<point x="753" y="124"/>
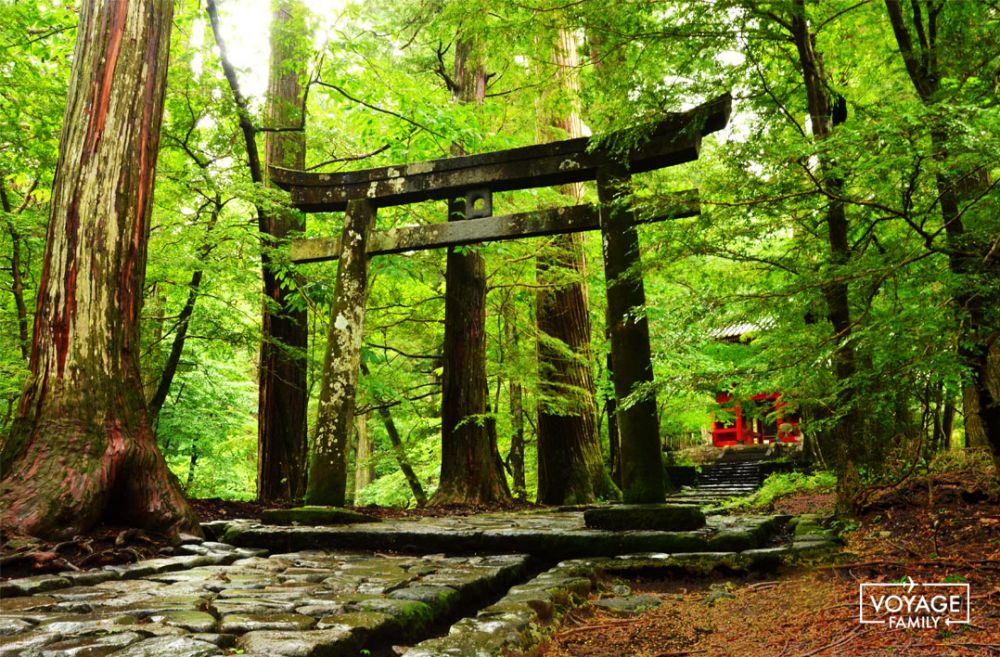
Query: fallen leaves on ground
<point x="942" y="529"/>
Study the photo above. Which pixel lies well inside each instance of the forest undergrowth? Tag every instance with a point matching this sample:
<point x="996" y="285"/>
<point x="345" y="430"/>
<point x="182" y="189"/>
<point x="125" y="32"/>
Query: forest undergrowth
<point x="943" y="527"/>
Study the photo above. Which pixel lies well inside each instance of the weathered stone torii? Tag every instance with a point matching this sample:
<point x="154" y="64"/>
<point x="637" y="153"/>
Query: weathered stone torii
<point x="673" y="141"/>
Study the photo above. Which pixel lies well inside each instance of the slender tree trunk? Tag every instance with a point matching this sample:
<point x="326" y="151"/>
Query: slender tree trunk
<point x="183" y="322"/>
<point x="364" y="459"/>
<point x="847" y="432"/>
<point x="399" y="451"/>
<point x="470" y="472"/>
<point x="85" y="445"/>
<point x="974" y="261"/>
<point x="948" y="422"/>
<point x="283" y="395"/>
<point x="570" y="464"/>
<point x="614" y="440"/>
<point x="17" y="274"/>
<point x="192" y="463"/>
<point x="515" y="457"/>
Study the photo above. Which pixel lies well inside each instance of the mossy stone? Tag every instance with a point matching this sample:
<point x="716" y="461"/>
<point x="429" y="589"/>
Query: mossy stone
<point x="314" y="515"/>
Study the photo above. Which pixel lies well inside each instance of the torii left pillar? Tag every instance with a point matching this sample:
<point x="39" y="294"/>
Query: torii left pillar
<point x="328" y="465"/>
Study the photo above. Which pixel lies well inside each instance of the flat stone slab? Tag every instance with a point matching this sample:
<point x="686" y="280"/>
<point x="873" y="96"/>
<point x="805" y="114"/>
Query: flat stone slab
<point x="658" y="517"/>
<point x="314" y="515"/>
<point x="548" y="535"/>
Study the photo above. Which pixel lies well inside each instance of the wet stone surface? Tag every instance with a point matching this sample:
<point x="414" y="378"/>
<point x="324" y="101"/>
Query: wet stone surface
<point x="299" y="603"/>
<point x="334" y="591"/>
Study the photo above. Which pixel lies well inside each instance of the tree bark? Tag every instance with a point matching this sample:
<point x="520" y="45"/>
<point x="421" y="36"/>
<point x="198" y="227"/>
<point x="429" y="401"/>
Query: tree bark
<point x="283" y="395"/>
<point x="470" y="472"/>
<point x="335" y="419"/>
<point x="83" y="437"/>
<point x="570" y="464"/>
<point x="364" y="458"/>
<point x="847" y="431"/>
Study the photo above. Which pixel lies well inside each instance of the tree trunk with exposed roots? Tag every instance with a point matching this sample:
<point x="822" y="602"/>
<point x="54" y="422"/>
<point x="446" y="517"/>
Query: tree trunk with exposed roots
<point x="82" y="449"/>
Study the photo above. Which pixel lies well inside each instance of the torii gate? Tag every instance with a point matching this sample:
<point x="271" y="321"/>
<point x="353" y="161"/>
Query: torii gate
<point x="673" y="141"/>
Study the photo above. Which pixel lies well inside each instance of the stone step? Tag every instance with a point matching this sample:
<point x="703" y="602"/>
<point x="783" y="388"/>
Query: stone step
<point x="551" y="536"/>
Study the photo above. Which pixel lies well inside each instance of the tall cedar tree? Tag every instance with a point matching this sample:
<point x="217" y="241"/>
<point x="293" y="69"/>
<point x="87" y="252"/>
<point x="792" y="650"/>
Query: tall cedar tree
<point x="283" y="402"/>
<point x="570" y="466"/>
<point x="471" y="470"/>
<point x="83" y="449"/>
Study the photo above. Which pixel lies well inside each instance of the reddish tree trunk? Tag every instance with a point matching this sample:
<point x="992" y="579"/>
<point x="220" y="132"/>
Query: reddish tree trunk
<point x="83" y="442"/>
<point x="471" y="470"/>
<point x="283" y="402"/>
<point x="570" y="466"/>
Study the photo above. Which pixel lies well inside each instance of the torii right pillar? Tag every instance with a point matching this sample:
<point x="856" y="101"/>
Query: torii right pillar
<point x="632" y="367"/>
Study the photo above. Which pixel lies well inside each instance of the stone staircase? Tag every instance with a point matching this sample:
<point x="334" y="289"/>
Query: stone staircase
<point x="737" y="472"/>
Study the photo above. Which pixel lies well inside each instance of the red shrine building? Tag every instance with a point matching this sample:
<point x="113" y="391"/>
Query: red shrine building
<point x="770" y="422"/>
<point x="762" y="419"/>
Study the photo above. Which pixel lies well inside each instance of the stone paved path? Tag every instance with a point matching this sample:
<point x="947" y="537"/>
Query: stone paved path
<point x="215" y="599"/>
<point x="305" y="603"/>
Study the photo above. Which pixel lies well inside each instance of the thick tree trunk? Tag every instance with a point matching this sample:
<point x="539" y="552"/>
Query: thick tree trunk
<point x="86" y="448"/>
<point x="570" y="465"/>
<point x="470" y="472"/>
<point x="335" y="419"/>
<point x="847" y="431"/>
<point x="283" y="395"/>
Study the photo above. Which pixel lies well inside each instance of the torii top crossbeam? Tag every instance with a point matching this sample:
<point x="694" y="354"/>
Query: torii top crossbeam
<point x="674" y="140"/>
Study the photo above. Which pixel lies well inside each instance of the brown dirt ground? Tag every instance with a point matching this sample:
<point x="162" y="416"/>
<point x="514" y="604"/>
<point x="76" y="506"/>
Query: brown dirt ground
<point x="953" y="531"/>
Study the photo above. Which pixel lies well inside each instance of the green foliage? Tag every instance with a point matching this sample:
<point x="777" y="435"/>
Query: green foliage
<point x="758" y="253"/>
<point x="782" y="484"/>
<point x="212" y="412"/>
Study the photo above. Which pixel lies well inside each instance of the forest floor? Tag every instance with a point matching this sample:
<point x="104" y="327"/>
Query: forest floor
<point x="946" y="529"/>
